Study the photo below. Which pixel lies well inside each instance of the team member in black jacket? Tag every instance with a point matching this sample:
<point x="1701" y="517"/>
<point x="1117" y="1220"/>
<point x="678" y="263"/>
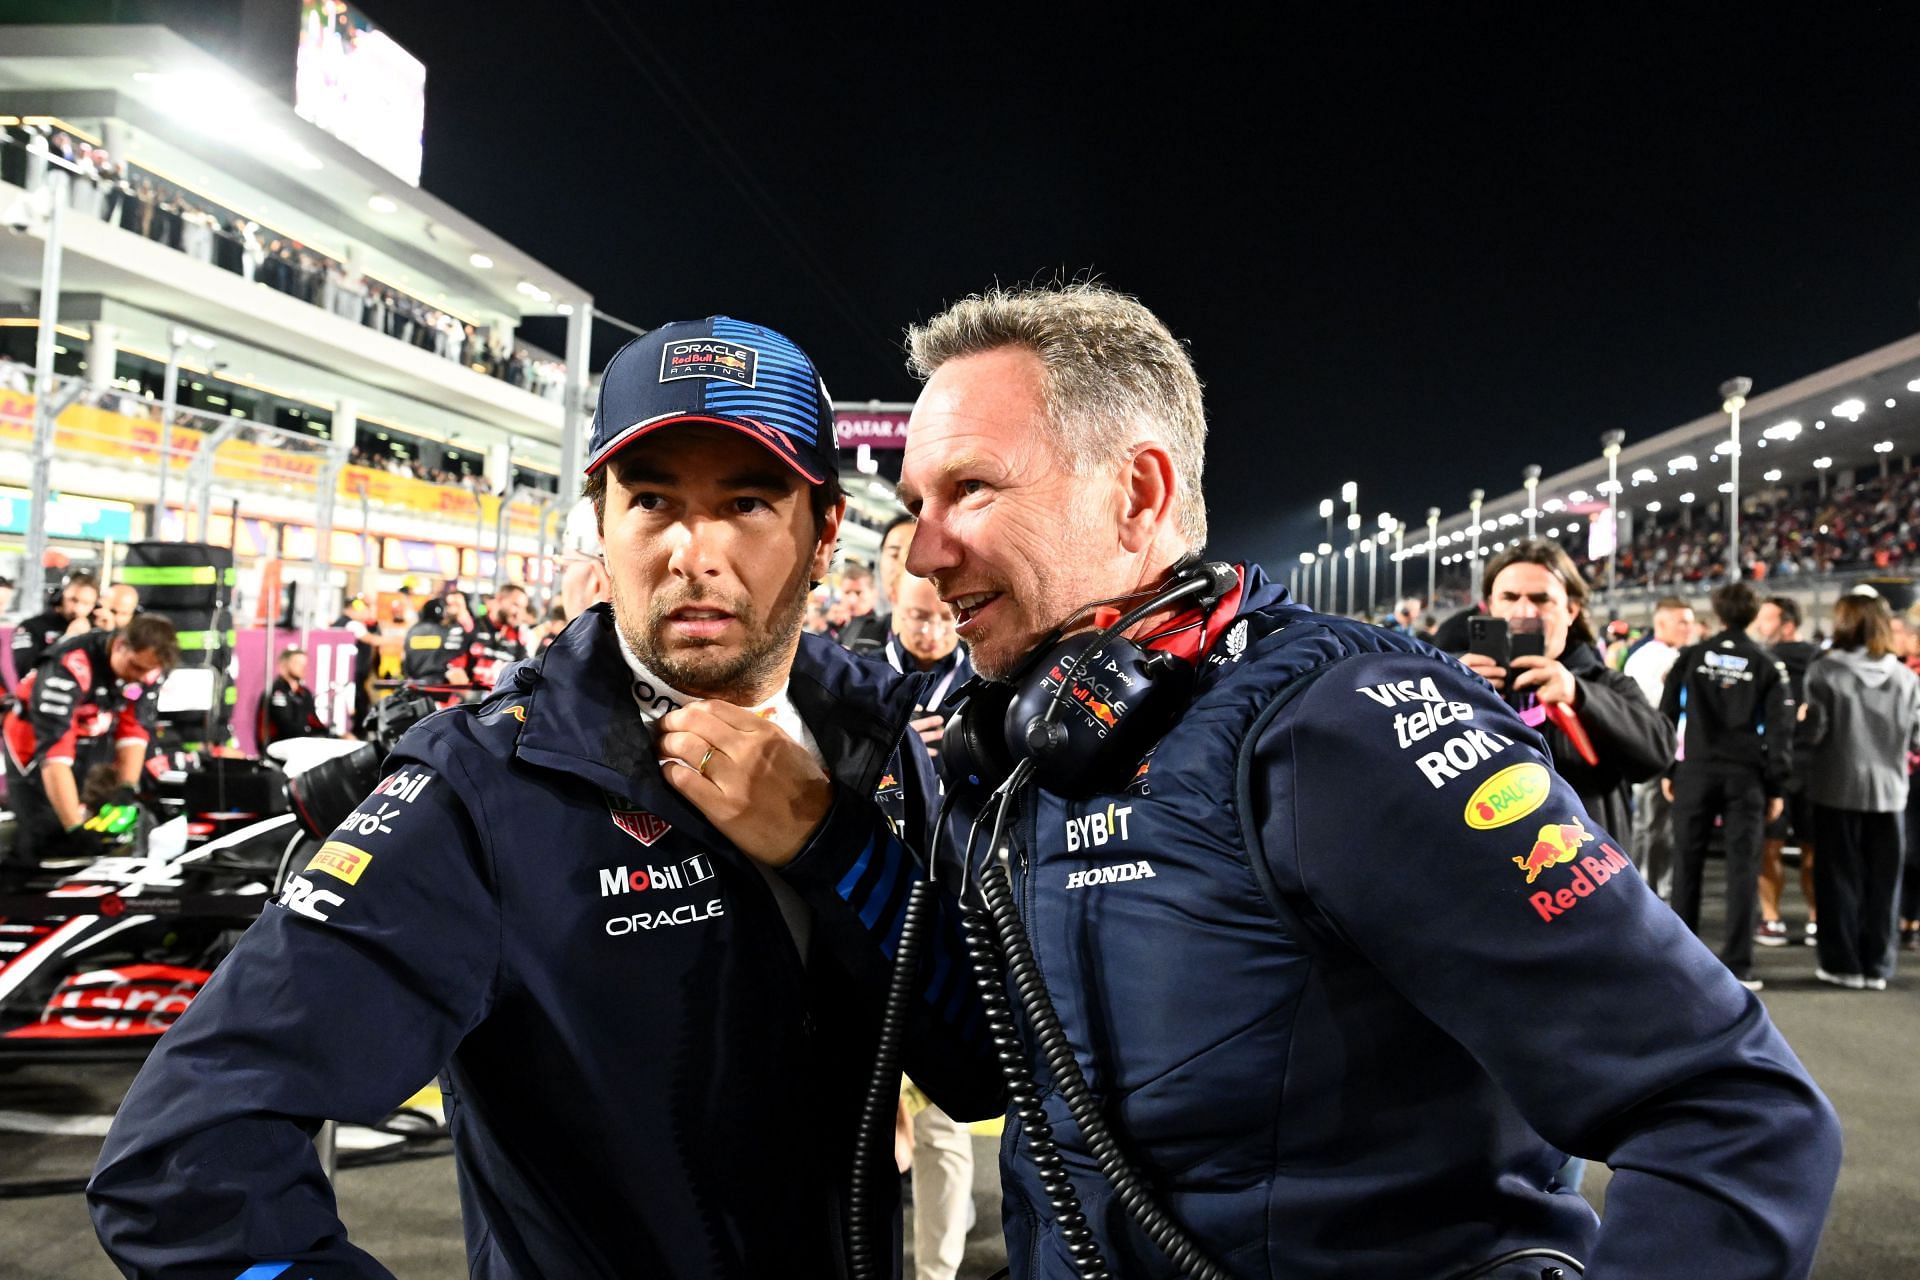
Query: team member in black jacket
<point x="288" y="710"/>
<point x="655" y="1044"/>
<point x="1733" y="702"/>
<point x="1538" y="583"/>
<point x="35" y="636"/>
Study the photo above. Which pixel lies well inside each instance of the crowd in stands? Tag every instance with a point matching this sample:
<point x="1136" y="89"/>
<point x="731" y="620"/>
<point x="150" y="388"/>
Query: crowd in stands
<point x="111" y="191"/>
<point x="396" y="465"/>
<point x="1872" y="525"/>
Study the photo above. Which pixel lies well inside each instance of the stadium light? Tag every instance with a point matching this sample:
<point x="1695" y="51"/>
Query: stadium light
<point x="1349" y="491"/>
<point x="1885" y="446"/>
<point x="1687" y="497"/>
<point x="1653" y="508"/>
<point x="1771" y="477"/>
<point x="480" y="260"/>
<point x="382" y="204"/>
<point x="1530" y="478"/>
<point x="1850" y="409"/>
<point x="1552" y="505"/>
<point x="1890" y="402"/>
<point x="1579" y="495"/>
<point x="1644" y="475"/>
<point x="1726" y="486"/>
<point x="1788" y="430"/>
<point x="1914" y="385"/>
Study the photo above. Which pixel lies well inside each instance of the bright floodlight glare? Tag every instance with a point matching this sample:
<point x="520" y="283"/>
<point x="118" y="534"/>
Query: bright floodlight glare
<point x="1653" y="507"/>
<point x="1821" y="464"/>
<point x="1579" y="495"/>
<point x="1508" y="520"/>
<point x="1554" y="532"/>
<point x="1787" y="430"/>
<point x="1687" y="498"/>
<point x="1914" y="385"/>
<point x="1353" y="520"/>
<point x="1386" y="521"/>
<point x="1326" y="549"/>
<point x="1885" y="446"/>
<point x="1608" y="486"/>
<point x="1772" y="477"/>
<point x="382" y="204"/>
<point x="1349" y="491"/>
<point x="1306" y="557"/>
<point x="1726" y="486"/>
<point x="1850" y="409"/>
<point x="1326" y="507"/>
<point x="480" y="260"/>
<point x="1552" y="505"/>
<point x="1685" y="462"/>
<point x="1488" y="526"/>
<point x="1890" y="402"/>
<point x="1644" y="475"/>
<point x="1366" y="544"/>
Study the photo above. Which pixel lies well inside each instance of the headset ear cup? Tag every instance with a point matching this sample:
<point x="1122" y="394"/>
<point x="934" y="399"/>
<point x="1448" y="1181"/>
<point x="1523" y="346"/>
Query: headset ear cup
<point x="973" y="751"/>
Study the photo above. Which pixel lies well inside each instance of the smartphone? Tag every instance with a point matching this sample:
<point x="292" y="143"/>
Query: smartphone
<point x="1489" y="637"/>
<point x="1526" y="636"/>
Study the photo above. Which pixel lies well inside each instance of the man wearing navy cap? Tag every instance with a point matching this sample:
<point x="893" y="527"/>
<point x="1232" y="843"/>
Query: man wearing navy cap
<point x="637" y="906"/>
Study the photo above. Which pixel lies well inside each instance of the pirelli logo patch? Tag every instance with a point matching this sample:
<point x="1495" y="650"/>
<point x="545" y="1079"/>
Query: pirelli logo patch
<point x="340" y="860"/>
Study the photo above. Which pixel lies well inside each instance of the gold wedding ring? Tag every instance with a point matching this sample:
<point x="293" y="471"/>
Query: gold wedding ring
<point x="705" y="760"/>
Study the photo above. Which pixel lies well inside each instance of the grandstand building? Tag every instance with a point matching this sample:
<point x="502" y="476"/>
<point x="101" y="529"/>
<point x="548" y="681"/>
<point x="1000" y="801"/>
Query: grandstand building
<point x="264" y="326"/>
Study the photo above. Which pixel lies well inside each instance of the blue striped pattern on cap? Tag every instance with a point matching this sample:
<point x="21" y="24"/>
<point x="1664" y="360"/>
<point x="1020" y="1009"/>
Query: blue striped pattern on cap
<point x="786" y="394"/>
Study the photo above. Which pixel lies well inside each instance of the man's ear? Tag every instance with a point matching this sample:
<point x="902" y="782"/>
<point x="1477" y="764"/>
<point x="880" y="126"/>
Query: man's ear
<point x="1146" y="492"/>
<point x="829" y="537"/>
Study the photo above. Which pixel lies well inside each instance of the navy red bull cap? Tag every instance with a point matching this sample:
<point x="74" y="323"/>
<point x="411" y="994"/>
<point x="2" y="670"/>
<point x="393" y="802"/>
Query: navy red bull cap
<point x="721" y="371"/>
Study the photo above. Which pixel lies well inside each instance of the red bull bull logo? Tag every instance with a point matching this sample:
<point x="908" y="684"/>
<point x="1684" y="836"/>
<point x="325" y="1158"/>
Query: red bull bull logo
<point x="1556" y="843"/>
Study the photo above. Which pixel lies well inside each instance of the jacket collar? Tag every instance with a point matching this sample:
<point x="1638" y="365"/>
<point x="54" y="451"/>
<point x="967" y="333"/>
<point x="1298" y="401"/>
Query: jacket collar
<point x="578" y="714"/>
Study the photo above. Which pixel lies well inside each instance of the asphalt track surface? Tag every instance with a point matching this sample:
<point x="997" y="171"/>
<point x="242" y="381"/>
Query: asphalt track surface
<point x="1863" y="1048"/>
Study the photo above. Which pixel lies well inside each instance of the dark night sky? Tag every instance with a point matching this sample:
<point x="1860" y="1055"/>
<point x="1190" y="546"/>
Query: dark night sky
<point x="1416" y="253"/>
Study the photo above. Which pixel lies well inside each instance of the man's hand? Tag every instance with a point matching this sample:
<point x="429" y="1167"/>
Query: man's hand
<point x="759" y="787"/>
<point x="457" y="675"/>
<point x="1666" y="789"/>
<point x="1775" y="807"/>
<point x="1486" y="668"/>
<point x="931" y="729"/>
<point x="1547" y="677"/>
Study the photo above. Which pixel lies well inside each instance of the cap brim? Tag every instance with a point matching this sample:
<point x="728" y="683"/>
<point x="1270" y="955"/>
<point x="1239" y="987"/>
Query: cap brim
<point x="774" y="442"/>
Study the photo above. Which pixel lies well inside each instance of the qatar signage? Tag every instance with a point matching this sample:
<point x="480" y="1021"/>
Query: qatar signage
<point x="878" y="429"/>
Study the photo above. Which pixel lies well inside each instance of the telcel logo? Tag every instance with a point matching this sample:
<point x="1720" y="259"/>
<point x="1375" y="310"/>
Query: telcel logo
<point x="677" y="875"/>
<point x="1508" y="796"/>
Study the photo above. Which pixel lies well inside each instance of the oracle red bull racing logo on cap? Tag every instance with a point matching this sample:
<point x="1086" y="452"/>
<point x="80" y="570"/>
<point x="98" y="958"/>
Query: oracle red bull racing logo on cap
<point x="708" y="358"/>
<point x="1556" y="843"/>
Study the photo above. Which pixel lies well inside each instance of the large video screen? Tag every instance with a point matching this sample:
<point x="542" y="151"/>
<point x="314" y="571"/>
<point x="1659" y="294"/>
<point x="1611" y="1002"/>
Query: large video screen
<point x="352" y="80"/>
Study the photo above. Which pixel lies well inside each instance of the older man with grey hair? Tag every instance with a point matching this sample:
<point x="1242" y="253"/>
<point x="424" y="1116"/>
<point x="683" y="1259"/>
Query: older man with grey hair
<point x="1321" y="969"/>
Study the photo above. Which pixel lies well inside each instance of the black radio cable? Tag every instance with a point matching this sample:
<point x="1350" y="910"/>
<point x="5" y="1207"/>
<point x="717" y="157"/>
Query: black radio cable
<point x="988" y="962"/>
<point x="1053" y="1046"/>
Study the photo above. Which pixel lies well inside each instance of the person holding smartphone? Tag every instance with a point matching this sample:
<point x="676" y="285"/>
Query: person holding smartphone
<point x="1536" y="647"/>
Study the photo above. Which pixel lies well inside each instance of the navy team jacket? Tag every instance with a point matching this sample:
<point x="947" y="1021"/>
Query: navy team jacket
<point x="1350" y="969"/>
<point x="644" y="1078"/>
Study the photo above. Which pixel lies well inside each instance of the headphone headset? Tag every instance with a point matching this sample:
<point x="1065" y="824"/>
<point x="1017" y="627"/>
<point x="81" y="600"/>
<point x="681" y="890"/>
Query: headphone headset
<point x="1080" y="711"/>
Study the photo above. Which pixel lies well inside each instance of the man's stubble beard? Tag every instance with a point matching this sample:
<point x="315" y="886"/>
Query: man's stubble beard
<point x="756" y="669"/>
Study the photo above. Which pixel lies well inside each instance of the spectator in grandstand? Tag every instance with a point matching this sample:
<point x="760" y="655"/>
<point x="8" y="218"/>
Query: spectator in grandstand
<point x="1625" y="740"/>
<point x="73" y="616"/>
<point x="90" y="701"/>
<point x="122" y="602"/>
<point x="1864" y="706"/>
<point x="864" y="630"/>
<point x="1777" y="626"/>
<point x="495" y="640"/>
<point x="1733" y="703"/>
<point x="288" y="709"/>
<point x="1647" y="666"/>
<point x="894" y="542"/>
